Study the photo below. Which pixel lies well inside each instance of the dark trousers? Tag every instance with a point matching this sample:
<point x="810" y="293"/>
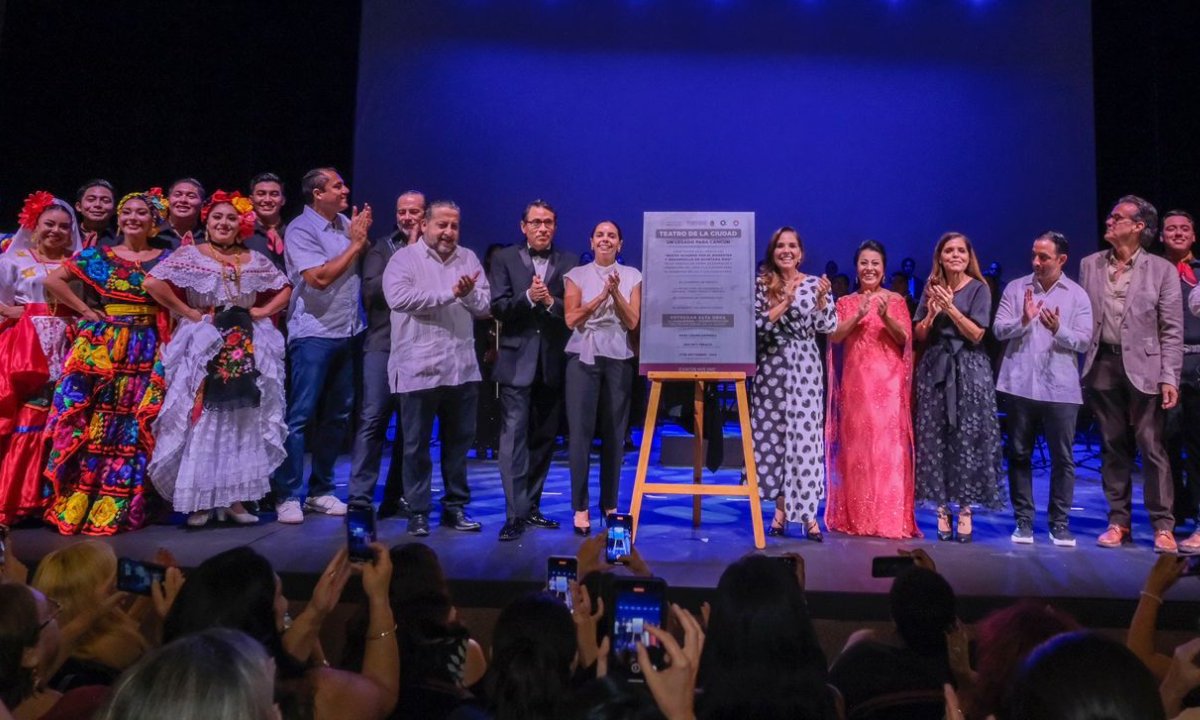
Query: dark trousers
<point x="454" y="407"/>
<point x="1183" y="449"/>
<point x="1117" y="405"/>
<point x="1058" y="425"/>
<point x="528" y="426"/>
<point x="320" y="389"/>
<point x="375" y="410"/>
<point x="598" y="393"/>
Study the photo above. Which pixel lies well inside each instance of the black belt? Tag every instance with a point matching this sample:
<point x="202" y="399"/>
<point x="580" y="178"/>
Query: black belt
<point x="1109" y="348"/>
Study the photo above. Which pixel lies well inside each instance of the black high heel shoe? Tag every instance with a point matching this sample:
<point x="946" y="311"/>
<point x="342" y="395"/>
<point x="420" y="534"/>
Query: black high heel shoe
<point x="813" y="532"/>
<point x="778" y="527"/>
<point x="944" y="535"/>
<point x="965" y="537"/>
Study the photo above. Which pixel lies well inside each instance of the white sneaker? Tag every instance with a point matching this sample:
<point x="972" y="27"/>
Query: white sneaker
<point x="289" y="512"/>
<point x="325" y="504"/>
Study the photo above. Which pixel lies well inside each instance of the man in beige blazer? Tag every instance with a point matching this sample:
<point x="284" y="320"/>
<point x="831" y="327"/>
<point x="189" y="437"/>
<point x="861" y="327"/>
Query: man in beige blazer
<point x="1131" y="369"/>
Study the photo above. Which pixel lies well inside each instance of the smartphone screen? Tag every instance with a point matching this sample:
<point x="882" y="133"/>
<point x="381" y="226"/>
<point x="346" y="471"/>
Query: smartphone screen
<point x="360" y="532"/>
<point x="886" y="566"/>
<point x="619" y="541"/>
<point x="560" y="571"/>
<point x="136" y="577"/>
<point x="637" y="602"/>
<point x="3" y="544"/>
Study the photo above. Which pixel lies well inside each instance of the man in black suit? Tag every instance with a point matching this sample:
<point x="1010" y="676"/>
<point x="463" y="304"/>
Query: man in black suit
<point x="527" y="299"/>
<point x="378" y="403"/>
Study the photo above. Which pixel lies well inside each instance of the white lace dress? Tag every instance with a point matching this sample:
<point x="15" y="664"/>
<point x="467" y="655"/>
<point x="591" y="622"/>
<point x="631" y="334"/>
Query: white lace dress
<point x="206" y="457"/>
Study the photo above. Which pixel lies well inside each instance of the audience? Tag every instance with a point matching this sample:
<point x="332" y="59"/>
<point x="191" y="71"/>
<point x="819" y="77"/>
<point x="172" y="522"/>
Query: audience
<point x="239" y="589"/>
<point x="217" y="673"/>
<point x="533" y="656"/>
<point x="1082" y="676"/>
<point x="29" y="651"/>
<point x="82" y="578"/>
<point x="761" y="657"/>
<point x="438" y="658"/>
<point x="913" y="656"/>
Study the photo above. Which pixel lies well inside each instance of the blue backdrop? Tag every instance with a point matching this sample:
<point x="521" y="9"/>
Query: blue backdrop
<point x="850" y="119"/>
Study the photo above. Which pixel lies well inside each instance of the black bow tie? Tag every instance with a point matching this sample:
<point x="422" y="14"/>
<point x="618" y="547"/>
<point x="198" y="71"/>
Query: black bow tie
<point x="543" y="254"/>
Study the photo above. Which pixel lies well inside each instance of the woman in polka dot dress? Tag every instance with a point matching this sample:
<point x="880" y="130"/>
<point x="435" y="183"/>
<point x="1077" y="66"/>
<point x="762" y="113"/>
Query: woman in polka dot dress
<point x="787" y="412"/>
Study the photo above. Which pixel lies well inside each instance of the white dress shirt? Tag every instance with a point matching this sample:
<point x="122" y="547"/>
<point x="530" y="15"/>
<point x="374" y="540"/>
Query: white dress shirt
<point x="433" y="335"/>
<point x="1038" y="364"/>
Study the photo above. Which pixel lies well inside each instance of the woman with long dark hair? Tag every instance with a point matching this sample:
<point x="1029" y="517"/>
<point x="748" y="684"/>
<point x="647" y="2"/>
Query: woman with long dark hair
<point x="787" y="415"/>
<point x="957" y="435"/>
<point x="533" y="653"/>
<point x="761" y="657"/>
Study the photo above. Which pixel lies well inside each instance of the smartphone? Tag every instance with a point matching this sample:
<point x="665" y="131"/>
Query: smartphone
<point x="3" y="543"/>
<point x="636" y="603"/>
<point x="360" y="532"/>
<point x="619" y="540"/>
<point x="886" y="566"/>
<point x="137" y="577"/>
<point x="560" y="571"/>
<point x="1191" y="567"/>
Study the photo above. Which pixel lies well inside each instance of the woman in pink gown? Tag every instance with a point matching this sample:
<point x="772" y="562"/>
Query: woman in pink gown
<point x="869" y="419"/>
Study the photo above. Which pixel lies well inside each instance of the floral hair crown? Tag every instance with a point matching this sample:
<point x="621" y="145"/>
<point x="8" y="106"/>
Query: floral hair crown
<point x="35" y="204"/>
<point x="155" y="200"/>
<point x="240" y="203"/>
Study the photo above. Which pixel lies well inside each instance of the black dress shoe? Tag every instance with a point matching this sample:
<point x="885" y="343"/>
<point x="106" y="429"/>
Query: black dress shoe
<point x="418" y="524"/>
<point x="393" y="508"/>
<point x="538" y="520"/>
<point x="512" y="530"/>
<point x="583" y="530"/>
<point x="458" y="519"/>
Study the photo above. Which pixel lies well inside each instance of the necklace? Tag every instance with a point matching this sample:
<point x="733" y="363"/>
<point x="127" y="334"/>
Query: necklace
<point x="231" y="269"/>
<point x="47" y="264"/>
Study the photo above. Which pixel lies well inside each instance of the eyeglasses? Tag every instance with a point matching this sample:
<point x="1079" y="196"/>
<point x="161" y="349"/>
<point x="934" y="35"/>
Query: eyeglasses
<point x="55" y="611"/>
<point x="1118" y="218"/>
<point x="538" y="222"/>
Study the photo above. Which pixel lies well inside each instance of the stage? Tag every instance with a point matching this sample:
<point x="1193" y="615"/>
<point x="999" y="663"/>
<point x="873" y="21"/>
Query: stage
<point x="1098" y="586"/>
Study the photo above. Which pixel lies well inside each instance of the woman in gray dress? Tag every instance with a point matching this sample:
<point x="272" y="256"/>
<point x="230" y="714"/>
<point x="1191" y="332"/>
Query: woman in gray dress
<point x="957" y="434"/>
<point x="787" y="401"/>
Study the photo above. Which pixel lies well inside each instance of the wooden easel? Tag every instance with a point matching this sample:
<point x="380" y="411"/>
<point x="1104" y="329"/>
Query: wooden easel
<point x="697" y="489"/>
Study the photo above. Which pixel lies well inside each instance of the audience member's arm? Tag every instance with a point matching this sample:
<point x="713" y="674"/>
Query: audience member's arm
<point x="674" y="687"/>
<point x="586" y="623"/>
<point x="381" y="660"/>
<point x="1140" y="640"/>
<point x="1182" y="676"/>
<point x="301" y="639"/>
<point x="12" y="570"/>
<point x="476" y="666"/>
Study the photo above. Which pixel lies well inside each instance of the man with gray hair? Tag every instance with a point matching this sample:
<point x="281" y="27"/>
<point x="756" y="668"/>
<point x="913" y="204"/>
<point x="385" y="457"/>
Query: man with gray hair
<point x="436" y="289"/>
<point x="1132" y="366"/>
<point x="378" y="404"/>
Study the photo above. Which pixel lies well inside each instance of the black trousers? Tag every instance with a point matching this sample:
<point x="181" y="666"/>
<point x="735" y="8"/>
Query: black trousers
<point x="597" y="394"/>
<point x="454" y="407"/>
<point x="1183" y="449"/>
<point x="1058" y="423"/>
<point x="528" y="427"/>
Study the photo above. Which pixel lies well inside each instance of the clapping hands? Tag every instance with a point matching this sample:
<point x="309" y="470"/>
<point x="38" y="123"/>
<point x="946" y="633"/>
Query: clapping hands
<point x="465" y="285"/>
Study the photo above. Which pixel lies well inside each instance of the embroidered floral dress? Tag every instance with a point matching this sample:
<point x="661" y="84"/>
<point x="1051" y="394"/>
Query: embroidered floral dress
<point x="31" y="361"/>
<point x="221" y="430"/>
<point x="110" y="391"/>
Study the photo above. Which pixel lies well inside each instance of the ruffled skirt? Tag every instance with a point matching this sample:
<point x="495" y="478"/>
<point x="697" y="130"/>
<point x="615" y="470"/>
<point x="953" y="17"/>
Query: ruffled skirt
<point x="208" y="457"/>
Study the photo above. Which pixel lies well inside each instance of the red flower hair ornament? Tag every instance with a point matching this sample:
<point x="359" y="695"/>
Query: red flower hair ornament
<point x="35" y="204"/>
<point x="240" y="203"/>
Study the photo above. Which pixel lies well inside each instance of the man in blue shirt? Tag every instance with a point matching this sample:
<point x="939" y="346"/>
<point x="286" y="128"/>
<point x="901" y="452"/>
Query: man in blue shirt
<point x="324" y="315"/>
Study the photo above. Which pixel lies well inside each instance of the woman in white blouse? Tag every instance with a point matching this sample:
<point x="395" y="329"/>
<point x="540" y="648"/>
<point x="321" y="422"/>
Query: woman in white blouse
<point x="603" y="302"/>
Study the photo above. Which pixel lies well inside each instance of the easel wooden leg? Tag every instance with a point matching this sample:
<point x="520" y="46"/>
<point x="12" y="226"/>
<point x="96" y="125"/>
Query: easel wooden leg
<point x="697" y="449"/>
<point x="635" y="508"/>
<point x="760" y="540"/>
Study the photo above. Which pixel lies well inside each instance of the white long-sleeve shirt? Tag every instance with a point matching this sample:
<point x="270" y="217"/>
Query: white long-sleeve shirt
<point x="433" y="338"/>
<point x="1038" y="364"/>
